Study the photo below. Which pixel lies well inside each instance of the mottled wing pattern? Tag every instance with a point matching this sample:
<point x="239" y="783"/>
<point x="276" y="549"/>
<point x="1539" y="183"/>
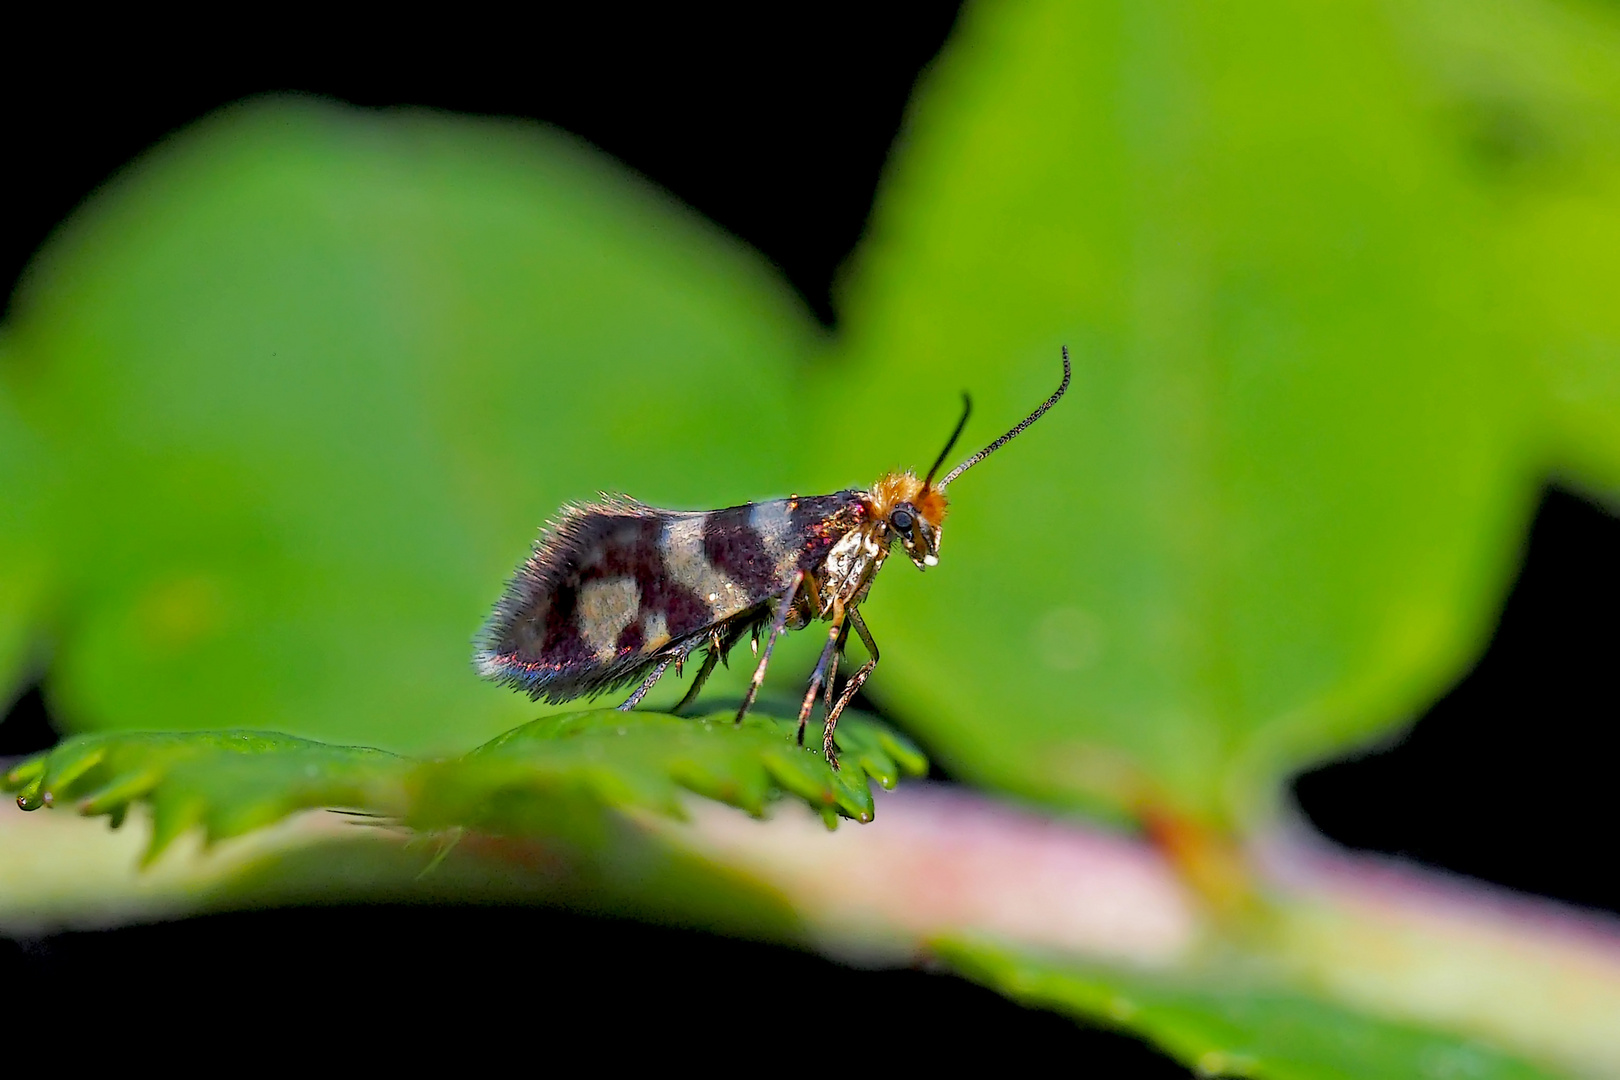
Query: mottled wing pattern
<point x="615" y="586"/>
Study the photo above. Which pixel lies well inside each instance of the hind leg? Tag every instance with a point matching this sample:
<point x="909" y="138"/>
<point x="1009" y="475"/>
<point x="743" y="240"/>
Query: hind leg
<point x="827" y="746"/>
<point x="646" y="684"/>
<point x="816" y="677"/>
<point x="702" y="676"/>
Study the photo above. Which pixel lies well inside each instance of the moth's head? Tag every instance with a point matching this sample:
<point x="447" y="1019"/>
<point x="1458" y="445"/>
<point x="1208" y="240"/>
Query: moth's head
<point x="912" y="514"/>
<point x="918" y="526"/>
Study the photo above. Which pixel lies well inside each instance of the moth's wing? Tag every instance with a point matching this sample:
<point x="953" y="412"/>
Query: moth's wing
<point x="614" y="586"/>
<point x="555" y="630"/>
<point x="736" y="559"/>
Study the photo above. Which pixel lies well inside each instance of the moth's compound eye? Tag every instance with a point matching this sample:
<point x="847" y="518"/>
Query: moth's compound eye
<point x="902" y="522"/>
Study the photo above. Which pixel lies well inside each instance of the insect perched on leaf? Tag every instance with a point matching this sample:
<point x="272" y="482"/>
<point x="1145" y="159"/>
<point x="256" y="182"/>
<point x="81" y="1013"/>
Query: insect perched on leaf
<point x="617" y="591"/>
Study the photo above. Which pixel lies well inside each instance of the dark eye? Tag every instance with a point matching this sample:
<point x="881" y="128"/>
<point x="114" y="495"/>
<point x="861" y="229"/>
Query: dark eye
<point x="902" y="521"/>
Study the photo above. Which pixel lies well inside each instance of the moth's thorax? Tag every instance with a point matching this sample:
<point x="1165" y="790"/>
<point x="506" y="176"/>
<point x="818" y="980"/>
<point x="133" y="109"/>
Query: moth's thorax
<point x="847" y="572"/>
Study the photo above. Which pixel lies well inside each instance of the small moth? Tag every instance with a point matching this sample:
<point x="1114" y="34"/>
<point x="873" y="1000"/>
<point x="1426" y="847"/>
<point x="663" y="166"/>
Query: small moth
<point x="616" y="591"/>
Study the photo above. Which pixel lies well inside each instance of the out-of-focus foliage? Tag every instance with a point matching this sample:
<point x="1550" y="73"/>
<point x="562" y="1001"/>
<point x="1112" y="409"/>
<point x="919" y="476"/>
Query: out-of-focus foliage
<point x="24" y="564"/>
<point x="231" y="782"/>
<point x="1228" y="1028"/>
<point x="1340" y="281"/>
<point x="309" y="380"/>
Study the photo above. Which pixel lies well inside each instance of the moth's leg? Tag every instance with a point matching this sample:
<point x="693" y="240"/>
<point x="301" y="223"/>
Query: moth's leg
<point x="734" y="633"/>
<point x="820" y="673"/>
<point x="646" y="684"/>
<point x="698" y="679"/>
<point x="827" y="746"/>
<point x="812" y="595"/>
<point x="784" y="605"/>
<point x="832" y="668"/>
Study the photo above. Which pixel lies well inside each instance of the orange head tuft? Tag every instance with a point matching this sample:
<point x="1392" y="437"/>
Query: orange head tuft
<point x="891" y="490"/>
<point x="911" y="511"/>
<point x="932" y="505"/>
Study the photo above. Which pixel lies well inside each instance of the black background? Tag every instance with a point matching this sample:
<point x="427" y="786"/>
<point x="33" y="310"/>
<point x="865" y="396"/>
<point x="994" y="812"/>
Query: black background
<point x="777" y="129"/>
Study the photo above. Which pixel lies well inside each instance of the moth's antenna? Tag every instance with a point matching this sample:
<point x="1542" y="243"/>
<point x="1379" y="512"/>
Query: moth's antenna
<point x="967" y="410"/>
<point x="1014" y="433"/>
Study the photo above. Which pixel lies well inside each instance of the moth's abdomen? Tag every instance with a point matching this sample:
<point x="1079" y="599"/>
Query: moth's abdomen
<point x="613" y="587"/>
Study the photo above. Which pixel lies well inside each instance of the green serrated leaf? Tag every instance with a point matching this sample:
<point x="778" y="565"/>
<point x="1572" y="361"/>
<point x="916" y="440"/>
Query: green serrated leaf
<point x="229" y="782"/>
<point x="232" y="782"/>
<point x="118" y="793"/>
<point x="642" y="760"/>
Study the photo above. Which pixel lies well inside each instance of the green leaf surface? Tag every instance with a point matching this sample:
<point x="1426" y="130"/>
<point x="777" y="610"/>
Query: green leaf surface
<point x="1227" y="1027"/>
<point x="230" y="782"/>
<point x="1277" y="511"/>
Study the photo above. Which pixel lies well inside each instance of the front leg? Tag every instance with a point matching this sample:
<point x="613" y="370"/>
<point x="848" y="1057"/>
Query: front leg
<point x="828" y="748"/>
<point x="832" y="668"/>
<point x="698" y="679"/>
<point x="834" y="635"/>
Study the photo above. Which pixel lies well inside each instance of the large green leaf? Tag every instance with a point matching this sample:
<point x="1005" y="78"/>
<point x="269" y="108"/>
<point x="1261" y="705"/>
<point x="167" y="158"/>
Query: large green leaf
<point x="1277" y="511"/>
<point x="1527" y="92"/>
<point x="315" y="377"/>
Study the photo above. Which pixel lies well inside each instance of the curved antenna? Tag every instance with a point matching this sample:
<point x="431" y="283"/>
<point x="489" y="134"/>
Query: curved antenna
<point x="1015" y="432"/>
<point x="967" y="410"/>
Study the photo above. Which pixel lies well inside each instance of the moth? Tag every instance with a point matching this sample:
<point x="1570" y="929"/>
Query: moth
<point x="615" y="591"/>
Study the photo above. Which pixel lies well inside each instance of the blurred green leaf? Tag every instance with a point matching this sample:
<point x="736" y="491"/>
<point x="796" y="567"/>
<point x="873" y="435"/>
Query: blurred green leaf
<point x="313" y="377"/>
<point x="1527" y="92"/>
<point x="25" y="570"/>
<point x="230" y="782"/>
<point x="1227" y="1028"/>
<point x="1278" y="509"/>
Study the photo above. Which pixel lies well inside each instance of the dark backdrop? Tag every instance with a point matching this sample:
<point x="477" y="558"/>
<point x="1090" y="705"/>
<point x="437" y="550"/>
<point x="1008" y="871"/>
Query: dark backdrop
<point x="777" y="129"/>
